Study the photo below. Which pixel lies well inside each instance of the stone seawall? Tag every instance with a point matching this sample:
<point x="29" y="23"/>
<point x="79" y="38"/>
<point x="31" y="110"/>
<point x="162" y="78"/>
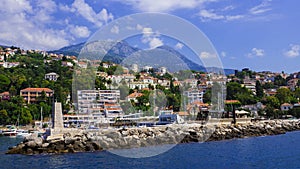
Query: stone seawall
<point x="75" y="140"/>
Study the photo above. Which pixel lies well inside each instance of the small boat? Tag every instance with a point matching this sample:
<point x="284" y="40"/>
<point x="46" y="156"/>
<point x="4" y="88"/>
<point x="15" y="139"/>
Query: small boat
<point x="10" y="133"/>
<point x="23" y="133"/>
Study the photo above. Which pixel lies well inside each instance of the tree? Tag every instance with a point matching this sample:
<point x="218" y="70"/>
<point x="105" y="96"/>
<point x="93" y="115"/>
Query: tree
<point x="259" y="89"/>
<point x="127" y="107"/>
<point x="271" y="112"/>
<point x="124" y="91"/>
<point x="25" y="117"/>
<point x="298" y="83"/>
<point x="272" y="101"/>
<point x="236" y="92"/>
<point x="284" y="95"/>
<point x="207" y="96"/>
<point x="297" y="93"/>
<point x="4" y="118"/>
<point x="279" y="81"/>
<point x="4" y="82"/>
<point x="295" y="112"/>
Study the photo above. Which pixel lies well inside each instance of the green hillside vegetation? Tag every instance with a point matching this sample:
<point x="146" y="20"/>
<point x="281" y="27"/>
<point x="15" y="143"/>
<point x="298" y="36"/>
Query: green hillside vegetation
<point x="31" y="73"/>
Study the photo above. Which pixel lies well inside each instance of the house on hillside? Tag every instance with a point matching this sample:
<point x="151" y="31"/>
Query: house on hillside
<point x="4" y="96"/>
<point x="134" y="96"/>
<point x="31" y="95"/>
<point x="51" y="76"/>
<point x="286" y="107"/>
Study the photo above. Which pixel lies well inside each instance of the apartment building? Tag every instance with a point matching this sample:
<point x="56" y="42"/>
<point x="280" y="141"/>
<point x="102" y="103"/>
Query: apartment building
<point x="31" y="95"/>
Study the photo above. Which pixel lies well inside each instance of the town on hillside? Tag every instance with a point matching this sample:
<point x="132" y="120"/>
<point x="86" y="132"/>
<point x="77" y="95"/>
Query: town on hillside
<point x="32" y="80"/>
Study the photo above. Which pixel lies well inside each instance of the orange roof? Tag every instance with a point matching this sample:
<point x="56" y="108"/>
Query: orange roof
<point x="286" y="104"/>
<point x="182" y="113"/>
<point x="135" y="95"/>
<point x="110" y="104"/>
<point x="114" y="109"/>
<point x="36" y="90"/>
<point x="200" y="103"/>
<point x="232" y="101"/>
<point x="4" y="93"/>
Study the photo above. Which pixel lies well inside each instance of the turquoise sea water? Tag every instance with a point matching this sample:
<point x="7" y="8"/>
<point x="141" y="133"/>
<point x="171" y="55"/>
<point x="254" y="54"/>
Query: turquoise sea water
<point x="281" y="151"/>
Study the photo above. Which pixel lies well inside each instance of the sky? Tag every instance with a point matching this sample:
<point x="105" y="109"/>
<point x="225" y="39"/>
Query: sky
<point x="258" y="34"/>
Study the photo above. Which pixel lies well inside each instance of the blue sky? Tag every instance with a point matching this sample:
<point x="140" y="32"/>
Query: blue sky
<point x="259" y="34"/>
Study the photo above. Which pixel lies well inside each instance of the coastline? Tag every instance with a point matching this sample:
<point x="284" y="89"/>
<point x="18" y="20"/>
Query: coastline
<point x="76" y="140"/>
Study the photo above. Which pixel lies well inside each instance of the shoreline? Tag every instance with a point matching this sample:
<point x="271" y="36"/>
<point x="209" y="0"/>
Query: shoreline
<point x="76" y="140"/>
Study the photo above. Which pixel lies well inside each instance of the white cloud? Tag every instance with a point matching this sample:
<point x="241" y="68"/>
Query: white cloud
<point x="44" y="10"/>
<point x="15" y="6"/>
<point x="87" y="12"/>
<point x="207" y="55"/>
<point x="234" y="17"/>
<point x="228" y="8"/>
<point x="261" y="8"/>
<point x="223" y="54"/>
<point x="151" y="38"/>
<point x="80" y="31"/>
<point x="210" y="15"/>
<point x="65" y="8"/>
<point x="256" y="52"/>
<point x="293" y="51"/>
<point x="165" y="5"/>
<point x="155" y="42"/>
<point x="147" y="32"/>
<point x="228" y="13"/>
<point x="20" y="27"/>
<point x="179" y="46"/>
<point x="115" y="29"/>
<point x="139" y="27"/>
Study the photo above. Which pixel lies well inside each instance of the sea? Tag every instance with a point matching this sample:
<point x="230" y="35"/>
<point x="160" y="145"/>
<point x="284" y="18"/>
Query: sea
<point x="280" y="151"/>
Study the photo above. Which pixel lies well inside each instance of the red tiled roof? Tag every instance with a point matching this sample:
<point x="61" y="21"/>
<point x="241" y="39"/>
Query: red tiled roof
<point x="232" y="101"/>
<point x="182" y="113"/>
<point x="286" y="104"/>
<point x="36" y="90"/>
<point x="200" y="103"/>
<point x="135" y="95"/>
<point x="117" y="109"/>
<point x="110" y="104"/>
<point x="4" y="93"/>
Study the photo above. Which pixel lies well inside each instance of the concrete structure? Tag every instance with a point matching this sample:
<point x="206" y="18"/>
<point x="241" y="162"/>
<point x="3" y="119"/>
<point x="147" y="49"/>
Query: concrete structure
<point x="57" y="117"/>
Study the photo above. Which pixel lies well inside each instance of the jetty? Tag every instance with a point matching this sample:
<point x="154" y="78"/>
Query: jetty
<point x="71" y="140"/>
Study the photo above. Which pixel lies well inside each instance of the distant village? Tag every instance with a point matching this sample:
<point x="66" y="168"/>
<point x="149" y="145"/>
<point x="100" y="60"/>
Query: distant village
<point x="138" y="91"/>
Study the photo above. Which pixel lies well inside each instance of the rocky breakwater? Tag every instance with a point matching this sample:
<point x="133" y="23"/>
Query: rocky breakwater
<point x="65" y="143"/>
<point x="105" y="139"/>
<point x="263" y="128"/>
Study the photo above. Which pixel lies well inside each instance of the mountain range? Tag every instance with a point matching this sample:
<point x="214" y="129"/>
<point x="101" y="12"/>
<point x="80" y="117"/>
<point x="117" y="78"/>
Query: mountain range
<point x="121" y="52"/>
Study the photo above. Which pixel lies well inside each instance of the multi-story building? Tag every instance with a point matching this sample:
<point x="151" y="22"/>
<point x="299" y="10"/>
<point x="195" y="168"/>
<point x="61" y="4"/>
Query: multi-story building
<point x="194" y="95"/>
<point x="31" y="95"/>
<point x="99" y="102"/>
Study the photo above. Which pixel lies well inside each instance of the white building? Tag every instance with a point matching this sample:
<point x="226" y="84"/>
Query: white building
<point x="194" y="95"/>
<point x="51" y="76"/>
<point x="135" y="68"/>
<point x="162" y="70"/>
<point x="103" y="103"/>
